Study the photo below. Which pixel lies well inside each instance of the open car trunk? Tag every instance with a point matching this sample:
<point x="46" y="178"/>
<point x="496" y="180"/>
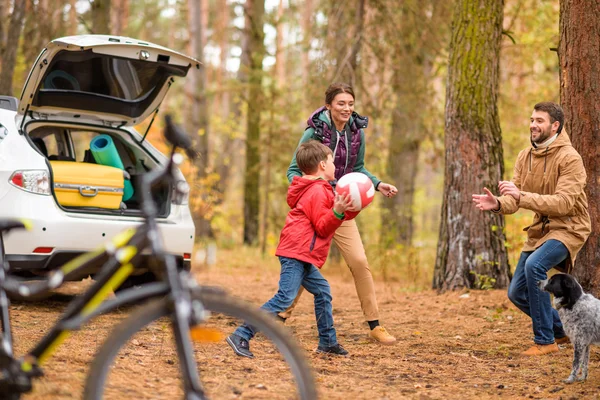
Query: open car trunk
<point x="81" y="179"/>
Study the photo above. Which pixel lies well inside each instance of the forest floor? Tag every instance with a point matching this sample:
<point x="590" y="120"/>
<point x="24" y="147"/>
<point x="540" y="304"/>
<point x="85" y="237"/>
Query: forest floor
<point x="459" y="345"/>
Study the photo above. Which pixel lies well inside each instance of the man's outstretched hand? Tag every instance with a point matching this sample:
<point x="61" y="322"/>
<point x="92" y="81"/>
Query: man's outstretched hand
<point x="486" y="201"/>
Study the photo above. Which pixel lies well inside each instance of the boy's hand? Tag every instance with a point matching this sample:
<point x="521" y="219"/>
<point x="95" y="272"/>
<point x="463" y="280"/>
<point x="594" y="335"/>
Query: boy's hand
<point x="342" y="203"/>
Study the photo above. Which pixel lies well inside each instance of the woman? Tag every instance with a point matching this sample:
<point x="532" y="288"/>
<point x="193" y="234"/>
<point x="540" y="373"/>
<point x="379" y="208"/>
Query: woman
<point x="337" y="125"/>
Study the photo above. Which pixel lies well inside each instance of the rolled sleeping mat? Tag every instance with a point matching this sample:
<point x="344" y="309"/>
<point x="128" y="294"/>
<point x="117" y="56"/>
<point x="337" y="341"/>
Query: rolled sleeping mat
<point x="105" y="153"/>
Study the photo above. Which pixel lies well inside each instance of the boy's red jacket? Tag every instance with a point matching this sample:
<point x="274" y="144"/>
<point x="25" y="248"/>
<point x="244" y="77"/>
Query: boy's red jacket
<point x="310" y="224"/>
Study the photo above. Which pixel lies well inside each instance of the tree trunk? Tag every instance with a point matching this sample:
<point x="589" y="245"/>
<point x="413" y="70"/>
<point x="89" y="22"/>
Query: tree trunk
<point x="347" y="42"/>
<point x="221" y="100"/>
<point x="410" y="80"/>
<point x="119" y="17"/>
<point x="4" y="14"/>
<point x="9" y="56"/>
<point x="280" y="59"/>
<point x="307" y="34"/>
<point x="471" y="244"/>
<point x="100" y="17"/>
<point x="402" y="162"/>
<point x="198" y="118"/>
<point x="72" y="30"/>
<point x="579" y="57"/>
<point x="254" y="29"/>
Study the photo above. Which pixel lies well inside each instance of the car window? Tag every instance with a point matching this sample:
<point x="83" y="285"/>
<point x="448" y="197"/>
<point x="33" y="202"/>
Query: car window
<point x="81" y="142"/>
<point x="51" y="144"/>
<point x="107" y="75"/>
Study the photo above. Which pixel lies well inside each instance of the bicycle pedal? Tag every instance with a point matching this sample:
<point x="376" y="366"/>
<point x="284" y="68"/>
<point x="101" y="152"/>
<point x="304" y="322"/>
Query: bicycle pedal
<point x="206" y="335"/>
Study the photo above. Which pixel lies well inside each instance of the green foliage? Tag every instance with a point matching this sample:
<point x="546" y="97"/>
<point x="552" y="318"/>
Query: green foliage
<point x="395" y="38"/>
<point x="483" y="282"/>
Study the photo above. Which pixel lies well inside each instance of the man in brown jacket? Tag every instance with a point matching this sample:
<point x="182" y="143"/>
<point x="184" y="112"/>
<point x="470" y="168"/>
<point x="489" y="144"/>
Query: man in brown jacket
<point x="549" y="179"/>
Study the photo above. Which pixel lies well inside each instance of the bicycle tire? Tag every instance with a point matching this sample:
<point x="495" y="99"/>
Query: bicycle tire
<point x="215" y="302"/>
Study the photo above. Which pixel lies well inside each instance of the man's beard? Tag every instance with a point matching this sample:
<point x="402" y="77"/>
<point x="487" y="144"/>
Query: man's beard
<point x="543" y="136"/>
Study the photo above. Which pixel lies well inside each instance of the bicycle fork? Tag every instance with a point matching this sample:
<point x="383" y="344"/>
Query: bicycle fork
<point x="13" y="379"/>
<point x="183" y="314"/>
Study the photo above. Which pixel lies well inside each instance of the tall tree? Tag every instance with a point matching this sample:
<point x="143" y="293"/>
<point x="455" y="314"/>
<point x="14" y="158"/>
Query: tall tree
<point x="72" y="29"/>
<point x="198" y="111"/>
<point x="253" y="54"/>
<point x="4" y="16"/>
<point x="471" y="242"/>
<point x="221" y="100"/>
<point x="119" y="16"/>
<point x="273" y="101"/>
<point x="9" y="53"/>
<point x="307" y="36"/>
<point x="100" y="10"/>
<point x="420" y="27"/>
<point x="346" y="43"/>
<point x="579" y="57"/>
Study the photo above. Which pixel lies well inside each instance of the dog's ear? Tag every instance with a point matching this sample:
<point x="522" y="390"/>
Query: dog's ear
<point x="569" y="281"/>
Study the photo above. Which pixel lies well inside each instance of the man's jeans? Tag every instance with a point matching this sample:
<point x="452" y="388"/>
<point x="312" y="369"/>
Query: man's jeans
<point x="295" y="273"/>
<point x="527" y="296"/>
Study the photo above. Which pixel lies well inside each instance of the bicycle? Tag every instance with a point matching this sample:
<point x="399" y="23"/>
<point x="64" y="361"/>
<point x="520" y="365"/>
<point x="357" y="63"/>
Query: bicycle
<point x="188" y="306"/>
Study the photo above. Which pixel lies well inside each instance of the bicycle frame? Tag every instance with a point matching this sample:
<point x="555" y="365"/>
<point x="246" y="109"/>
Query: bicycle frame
<point x="119" y="256"/>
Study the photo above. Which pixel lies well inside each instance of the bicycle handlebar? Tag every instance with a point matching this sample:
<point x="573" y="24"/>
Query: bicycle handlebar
<point x="178" y="139"/>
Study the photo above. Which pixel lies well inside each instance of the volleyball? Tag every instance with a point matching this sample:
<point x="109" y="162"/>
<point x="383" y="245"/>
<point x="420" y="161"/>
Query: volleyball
<point x="360" y="188"/>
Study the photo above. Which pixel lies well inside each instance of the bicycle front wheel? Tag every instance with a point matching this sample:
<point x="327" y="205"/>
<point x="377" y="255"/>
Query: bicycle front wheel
<point x="139" y="358"/>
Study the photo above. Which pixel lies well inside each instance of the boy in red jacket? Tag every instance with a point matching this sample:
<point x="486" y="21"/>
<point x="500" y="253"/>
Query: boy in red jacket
<point x="316" y="212"/>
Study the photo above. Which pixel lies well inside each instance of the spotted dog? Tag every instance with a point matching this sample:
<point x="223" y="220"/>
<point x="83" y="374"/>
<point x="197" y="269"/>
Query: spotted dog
<point x="580" y="315"/>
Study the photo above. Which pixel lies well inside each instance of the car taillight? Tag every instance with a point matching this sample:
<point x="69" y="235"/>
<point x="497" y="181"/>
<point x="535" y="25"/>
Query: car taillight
<point x="181" y="193"/>
<point x="43" y="250"/>
<point x="34" y="181"/>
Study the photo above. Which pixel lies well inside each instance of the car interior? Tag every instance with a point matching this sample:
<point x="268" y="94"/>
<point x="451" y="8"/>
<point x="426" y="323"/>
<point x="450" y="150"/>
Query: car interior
<point x="57" y="143"/>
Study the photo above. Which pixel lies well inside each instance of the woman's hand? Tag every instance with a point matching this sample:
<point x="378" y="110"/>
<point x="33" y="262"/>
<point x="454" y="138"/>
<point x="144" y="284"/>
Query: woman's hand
<point x="387" y="190"/>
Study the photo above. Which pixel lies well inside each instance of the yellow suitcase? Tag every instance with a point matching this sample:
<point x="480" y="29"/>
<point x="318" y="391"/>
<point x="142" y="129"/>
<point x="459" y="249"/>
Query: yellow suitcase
<point x="78" y="184"/>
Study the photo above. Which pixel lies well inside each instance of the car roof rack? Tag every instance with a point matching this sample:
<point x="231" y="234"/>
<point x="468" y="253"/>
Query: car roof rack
<point x="9" y="103"/>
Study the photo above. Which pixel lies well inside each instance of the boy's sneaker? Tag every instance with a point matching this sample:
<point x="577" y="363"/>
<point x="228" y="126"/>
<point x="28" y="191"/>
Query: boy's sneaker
<point x="336" y="349"/>
<point x="239" y="345"/>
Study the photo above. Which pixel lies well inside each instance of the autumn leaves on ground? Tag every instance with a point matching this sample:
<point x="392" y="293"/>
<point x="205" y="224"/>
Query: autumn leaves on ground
<point x="455" y="345"/>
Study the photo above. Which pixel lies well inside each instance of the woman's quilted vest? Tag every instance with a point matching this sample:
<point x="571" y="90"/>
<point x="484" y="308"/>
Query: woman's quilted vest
<point x="344" y="157"/>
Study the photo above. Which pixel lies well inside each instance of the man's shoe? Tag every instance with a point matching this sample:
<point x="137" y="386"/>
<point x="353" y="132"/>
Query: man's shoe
<point x="336" y="349"/>
<point x="562" y="340"/>
<point x="239" y="345"/>
<point x="379" y="334"/>
<point x="540" y="349"/>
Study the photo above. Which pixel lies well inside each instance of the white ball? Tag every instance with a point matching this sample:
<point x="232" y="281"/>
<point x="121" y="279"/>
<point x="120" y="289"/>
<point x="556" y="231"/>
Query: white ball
<point x="360" y="188"/>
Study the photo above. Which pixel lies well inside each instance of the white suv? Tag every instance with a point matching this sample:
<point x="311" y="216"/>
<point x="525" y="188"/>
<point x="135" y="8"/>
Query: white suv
<point x="78" y="88"/>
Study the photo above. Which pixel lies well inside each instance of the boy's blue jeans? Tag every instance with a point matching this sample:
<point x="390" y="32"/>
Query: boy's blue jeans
<point x="529" y="298"/>
<point x="295" y="273"/>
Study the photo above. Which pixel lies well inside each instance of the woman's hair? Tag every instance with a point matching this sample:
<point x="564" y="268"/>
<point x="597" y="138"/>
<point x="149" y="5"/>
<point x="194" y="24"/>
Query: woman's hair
<point x="336" y="88"/>
<point x="310" y="154"/>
